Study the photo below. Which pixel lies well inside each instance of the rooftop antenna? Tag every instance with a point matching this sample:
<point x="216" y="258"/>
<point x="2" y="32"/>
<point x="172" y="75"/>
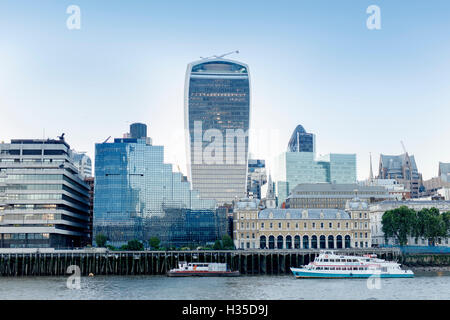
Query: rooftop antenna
<point x="221" y="56"/>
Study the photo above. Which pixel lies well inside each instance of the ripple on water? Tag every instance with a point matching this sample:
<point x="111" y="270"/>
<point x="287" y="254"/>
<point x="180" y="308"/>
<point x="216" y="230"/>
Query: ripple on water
<point x="239" y="288"/>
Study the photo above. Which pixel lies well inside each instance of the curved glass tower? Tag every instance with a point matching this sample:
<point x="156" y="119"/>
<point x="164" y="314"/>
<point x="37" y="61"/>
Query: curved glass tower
<point x="302" y="141"/>
<point x="217" y="114"/>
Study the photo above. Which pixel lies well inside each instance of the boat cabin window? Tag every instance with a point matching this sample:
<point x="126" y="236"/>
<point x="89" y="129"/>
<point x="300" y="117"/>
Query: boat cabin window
<point x="355" y="268"/>
<point x="326" y="268"/>
<point x="349" y="260"/>
<point x="325" y="260"/>
<point x="331" y="268"/>
<point x="384" y="269"/>
<point x="354" y="260"/>
<point x="331" y="260"/>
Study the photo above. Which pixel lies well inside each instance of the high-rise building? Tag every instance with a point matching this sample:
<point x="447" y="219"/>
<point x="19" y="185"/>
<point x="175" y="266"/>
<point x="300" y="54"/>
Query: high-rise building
<point x="302" y="141"/>
<point x="299" y="165"/>
<point x="132" y="185"/>
<point x="402" y="168"/>
<point x="293" y="168"/>
<point x="83" y="164"/>
<point x="44" y="202"/>
<point x="217" y="116"/>
<point x="444" y="172"/>
<point x="256" y="178"/>
<point x="138" y="130"/>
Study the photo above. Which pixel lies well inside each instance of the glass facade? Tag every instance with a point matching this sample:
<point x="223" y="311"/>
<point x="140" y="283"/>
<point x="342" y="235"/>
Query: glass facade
<point x="301" y="141"/>
<point x="132" y="186"/>
<point x="293" y="168"/>
<point x="44" y="203"/>
<point x="217" y="113"/>
<point x="256" y="178"/>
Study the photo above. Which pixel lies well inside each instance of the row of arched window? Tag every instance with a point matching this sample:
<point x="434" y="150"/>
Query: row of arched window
<point x="304" y="242"/>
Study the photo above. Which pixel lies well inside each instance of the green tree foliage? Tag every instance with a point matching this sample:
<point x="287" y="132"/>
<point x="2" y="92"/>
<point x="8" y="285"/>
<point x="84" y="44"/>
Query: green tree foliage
<point x="101" y="239"/>
<point x="399" y="223"/>
<point x="218" y="245"/>
<point x="135" y="245"/>
<point x="154" y="242"/>
<point x="404" y="222"/>
<point x="227" y="242"/>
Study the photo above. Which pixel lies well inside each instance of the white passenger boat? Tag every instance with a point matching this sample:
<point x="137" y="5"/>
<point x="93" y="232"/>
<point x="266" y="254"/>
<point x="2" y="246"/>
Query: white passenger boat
<point x="202" y="269"/>
<point x="330" y="265"/>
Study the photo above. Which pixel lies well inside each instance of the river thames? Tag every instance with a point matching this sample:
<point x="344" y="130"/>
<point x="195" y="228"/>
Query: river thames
<point x="426" y="285"/>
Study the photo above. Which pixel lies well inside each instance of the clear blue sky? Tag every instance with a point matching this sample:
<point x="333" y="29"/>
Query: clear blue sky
<point x="312" y="63"/>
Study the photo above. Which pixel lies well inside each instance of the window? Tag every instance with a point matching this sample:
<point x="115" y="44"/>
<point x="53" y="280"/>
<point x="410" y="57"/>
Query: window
<point x="279" y="225"/>
<point x="288" y="225"/>
<point x="330" y="225"/>
<point x="262" y="225"/>
<point x="321" y="225"/>
<point x="271" y="225"/>
<point x="304" y="225"/>
<point x="313" y="224"/>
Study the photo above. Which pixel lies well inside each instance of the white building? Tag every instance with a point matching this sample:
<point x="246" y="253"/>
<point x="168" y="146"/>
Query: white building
<point x="378" y="209"/>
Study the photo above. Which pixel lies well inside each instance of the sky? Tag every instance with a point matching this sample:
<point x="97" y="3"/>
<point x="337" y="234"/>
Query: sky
<point x="313" y="63"/>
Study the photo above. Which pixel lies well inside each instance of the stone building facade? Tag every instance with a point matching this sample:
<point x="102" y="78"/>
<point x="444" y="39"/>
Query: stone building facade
<point x="302" y="228"/>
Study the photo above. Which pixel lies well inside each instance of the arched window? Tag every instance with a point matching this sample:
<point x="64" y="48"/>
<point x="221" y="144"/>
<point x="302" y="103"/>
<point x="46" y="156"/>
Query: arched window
<point x="314" y="242"/>
<point x="339" y="242"/>
<point x="271" y="242"/>
<point x="288" y="242"/>
<point x="322" y="242"/>
<point x="262" y="242"/>
<point x="347" y="241"/>
<point x="305" y="242"/>
<point x="280" y="242"/>
<point x="297" y="242"/>
<point x="330" y="242"/>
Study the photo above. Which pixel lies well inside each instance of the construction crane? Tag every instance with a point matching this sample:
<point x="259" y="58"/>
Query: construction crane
<point x="222" y="55"/>
<point x="106" y="139"/>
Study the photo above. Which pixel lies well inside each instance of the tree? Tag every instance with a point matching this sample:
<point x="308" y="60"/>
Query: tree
<point x="154" y="242"/>
<point x="101" y="239"/>
<point x="399" y="223"/>
<point x="135" y="245"/>
<point x="431" y="224"/>
<point x="218" y="245"/>
<point x="227" y="242"/>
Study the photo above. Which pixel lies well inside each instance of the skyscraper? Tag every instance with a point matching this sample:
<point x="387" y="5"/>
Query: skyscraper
<point x="217" y="114"/>
<point x="133" y="185"/>
<point x="302" y="141"/>
<point x="138" y="130"/>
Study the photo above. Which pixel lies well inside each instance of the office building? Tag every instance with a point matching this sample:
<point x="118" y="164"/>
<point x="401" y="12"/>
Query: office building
<point x="138" y="130"/>
<point x="133" y="184"/>
<point x="444" y="172"/>
<point x="256" y="178"/>
<point x="83" y="163"/>
<point x="333" y="196"/>
<point x="302" y="141"/>
<point x="293" y="168"/>
<point x="44" y="202"/>
<point x="217" y="116"/>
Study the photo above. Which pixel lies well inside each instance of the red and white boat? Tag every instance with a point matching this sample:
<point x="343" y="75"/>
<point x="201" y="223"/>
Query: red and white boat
<point x="202" y="269"/>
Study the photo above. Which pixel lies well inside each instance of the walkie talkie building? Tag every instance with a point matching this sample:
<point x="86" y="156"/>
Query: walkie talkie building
<point x="217" y="114"/>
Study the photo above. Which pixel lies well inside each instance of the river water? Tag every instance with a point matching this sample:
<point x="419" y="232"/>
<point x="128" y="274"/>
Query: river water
<point x="426" y="285"/>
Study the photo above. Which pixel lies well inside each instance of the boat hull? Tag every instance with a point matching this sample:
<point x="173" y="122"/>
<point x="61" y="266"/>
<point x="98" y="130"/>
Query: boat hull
<point x="299" y="273"/>
<point x="203" y="273"/>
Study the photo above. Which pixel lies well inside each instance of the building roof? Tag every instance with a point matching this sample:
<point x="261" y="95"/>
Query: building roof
<point x="332" y="187"/>
<point x="391" y="162"/>
<point x="298" y="214"/>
